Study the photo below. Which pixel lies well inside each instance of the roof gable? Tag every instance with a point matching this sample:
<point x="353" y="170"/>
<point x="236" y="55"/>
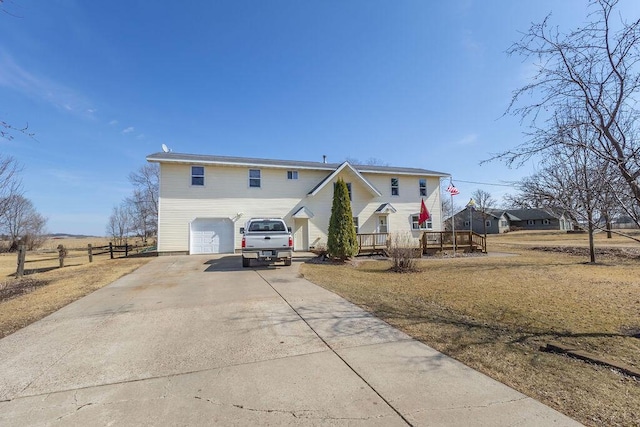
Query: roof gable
<point x="344" y="166"/>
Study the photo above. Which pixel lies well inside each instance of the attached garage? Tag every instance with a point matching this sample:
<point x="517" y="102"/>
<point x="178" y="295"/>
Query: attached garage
<point x="211" y="236"/>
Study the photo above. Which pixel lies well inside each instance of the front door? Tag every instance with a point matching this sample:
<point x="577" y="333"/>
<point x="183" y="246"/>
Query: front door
<point x="382" y="224"/>
<point x="301" y="234"/>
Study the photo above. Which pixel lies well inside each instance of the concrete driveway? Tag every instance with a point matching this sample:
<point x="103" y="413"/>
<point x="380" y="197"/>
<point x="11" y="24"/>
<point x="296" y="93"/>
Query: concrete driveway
<point x="198" y="340"/>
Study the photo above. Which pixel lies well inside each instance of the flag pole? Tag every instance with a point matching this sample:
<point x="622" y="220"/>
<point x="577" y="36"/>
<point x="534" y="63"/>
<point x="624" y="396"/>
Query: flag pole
<point x="453" y="224"/>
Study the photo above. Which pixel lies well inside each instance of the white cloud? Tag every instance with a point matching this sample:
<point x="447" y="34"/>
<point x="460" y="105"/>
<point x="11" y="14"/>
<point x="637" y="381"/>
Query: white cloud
<point x="113" y="122"/>
<point x="128" y="130"/>
<point x="470" y="44"/>
<point x="91" y="110"/>
<point x="467" y="139"/>
<point x="15" y="77"/>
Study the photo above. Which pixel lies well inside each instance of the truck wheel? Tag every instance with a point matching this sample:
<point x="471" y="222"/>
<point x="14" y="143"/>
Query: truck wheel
<point x="246" y="262"/>
<point x="287" y="261"/>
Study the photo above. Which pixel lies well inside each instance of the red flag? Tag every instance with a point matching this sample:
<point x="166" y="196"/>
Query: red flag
<point x="424" y="213"/>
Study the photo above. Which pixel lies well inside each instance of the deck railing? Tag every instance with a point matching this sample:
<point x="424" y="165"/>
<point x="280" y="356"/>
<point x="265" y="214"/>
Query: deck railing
<point x="373" y="242"/>
<point x="464" y="240"/>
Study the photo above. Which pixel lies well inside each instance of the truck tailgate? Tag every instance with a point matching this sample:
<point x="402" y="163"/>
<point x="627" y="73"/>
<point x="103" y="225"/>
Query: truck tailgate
<point x="266" y="240"/>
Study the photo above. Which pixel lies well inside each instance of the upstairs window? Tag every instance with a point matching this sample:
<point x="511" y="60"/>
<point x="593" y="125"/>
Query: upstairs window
<point x="292" y="174"/>
<point x="348" y="189"/>
<point x="197" y="175"/>
<point x="395" y="187"/>
<point x="422" y="183"/>
<point x="254" y="178"/>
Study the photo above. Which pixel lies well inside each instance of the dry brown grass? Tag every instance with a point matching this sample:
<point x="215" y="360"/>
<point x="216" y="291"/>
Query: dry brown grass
<point x="494" y="314"/>
<point x="50" y="288"/>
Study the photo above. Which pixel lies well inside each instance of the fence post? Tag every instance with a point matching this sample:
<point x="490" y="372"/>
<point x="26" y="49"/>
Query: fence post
<point x="62" y="253"/>
<point x="111" y="249"/>
<point x="126" y="250"/>
<point x="21" y="258"/>
<point x="90" y="249"/>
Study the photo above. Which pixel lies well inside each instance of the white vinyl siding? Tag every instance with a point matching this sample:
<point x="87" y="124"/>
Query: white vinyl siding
<point x="181" y="203"/>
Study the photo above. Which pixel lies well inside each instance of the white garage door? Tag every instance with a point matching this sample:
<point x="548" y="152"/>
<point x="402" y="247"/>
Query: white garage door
<point x="211" y="236"/>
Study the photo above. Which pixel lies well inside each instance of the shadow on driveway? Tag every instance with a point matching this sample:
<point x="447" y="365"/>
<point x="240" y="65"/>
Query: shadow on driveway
<point x="234" y="263"/>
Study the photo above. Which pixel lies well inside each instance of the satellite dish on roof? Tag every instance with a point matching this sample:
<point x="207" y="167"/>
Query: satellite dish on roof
<point x="165" y="148"/>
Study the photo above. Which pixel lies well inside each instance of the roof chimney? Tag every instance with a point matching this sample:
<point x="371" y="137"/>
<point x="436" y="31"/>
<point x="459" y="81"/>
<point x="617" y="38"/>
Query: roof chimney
<point x="324" y="158"/>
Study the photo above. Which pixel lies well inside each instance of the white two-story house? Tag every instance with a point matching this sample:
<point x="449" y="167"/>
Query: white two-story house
<point x="204" y="200"/>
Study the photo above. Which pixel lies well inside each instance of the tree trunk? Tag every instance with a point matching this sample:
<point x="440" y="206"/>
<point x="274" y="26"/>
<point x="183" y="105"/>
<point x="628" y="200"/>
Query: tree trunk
<point x="592" y="249"/>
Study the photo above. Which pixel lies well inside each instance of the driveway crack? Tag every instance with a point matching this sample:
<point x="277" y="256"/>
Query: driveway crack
<point x="335" y="352"/>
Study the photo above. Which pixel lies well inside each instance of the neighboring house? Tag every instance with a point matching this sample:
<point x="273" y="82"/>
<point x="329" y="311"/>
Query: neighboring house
<point x="501" y="221"/>
<point x="204" y="200"/>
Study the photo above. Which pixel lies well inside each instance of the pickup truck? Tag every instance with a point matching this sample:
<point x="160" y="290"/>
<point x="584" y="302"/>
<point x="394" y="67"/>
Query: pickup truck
<point x="266" y="239"/>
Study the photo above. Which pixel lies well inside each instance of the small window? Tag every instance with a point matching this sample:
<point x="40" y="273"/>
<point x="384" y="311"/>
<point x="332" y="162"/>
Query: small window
<point x="504" y="223"/>
<point x="348" y="189"/>
<point x="355" y="223"/>
<point x="254" y="178"/>
<point x="531" y="222"/>
<point x="487" y="223"/>
<point x="427" y="225"/>
<point x="197" y="175"/>
<point x="423" y="186"/>
<point x="545" y="222"/>
<point x="395" y="187"/>
<point x="292" y="174"/>
<point x="466" y="223"/>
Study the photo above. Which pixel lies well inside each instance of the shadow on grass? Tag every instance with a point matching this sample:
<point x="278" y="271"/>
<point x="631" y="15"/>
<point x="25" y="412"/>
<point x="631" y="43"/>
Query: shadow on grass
<point x="470" y="331"/>
<point x="17" y="287"/>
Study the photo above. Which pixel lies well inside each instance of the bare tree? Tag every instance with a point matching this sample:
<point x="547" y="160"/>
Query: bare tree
<point x="578" y="184"/>
<point x="587" y="77"/>
<point x="10" y="184"/>
<point x="371" y="161"/>
<point x="143" y="203"/>
<point x="22" y="223"/>
<point x="484" y="202"/>
<point x="120" y="224"/>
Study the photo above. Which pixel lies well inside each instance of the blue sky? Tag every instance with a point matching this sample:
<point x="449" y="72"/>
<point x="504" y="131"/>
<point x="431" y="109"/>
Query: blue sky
<point x="411" y="83"/>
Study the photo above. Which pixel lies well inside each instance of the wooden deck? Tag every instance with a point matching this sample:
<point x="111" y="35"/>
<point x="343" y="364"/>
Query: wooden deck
<point x="431" y="242"/>
<point x="465" y="241"/>
<point x="373" y="243"/>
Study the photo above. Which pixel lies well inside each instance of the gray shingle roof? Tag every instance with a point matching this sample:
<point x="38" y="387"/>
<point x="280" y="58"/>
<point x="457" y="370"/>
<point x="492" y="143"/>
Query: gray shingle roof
<point x="527" y="214"/>
<point x="250" y="161"/>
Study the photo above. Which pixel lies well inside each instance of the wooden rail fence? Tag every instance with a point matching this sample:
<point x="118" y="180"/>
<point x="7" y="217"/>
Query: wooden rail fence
<point x="92" y="251"/>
